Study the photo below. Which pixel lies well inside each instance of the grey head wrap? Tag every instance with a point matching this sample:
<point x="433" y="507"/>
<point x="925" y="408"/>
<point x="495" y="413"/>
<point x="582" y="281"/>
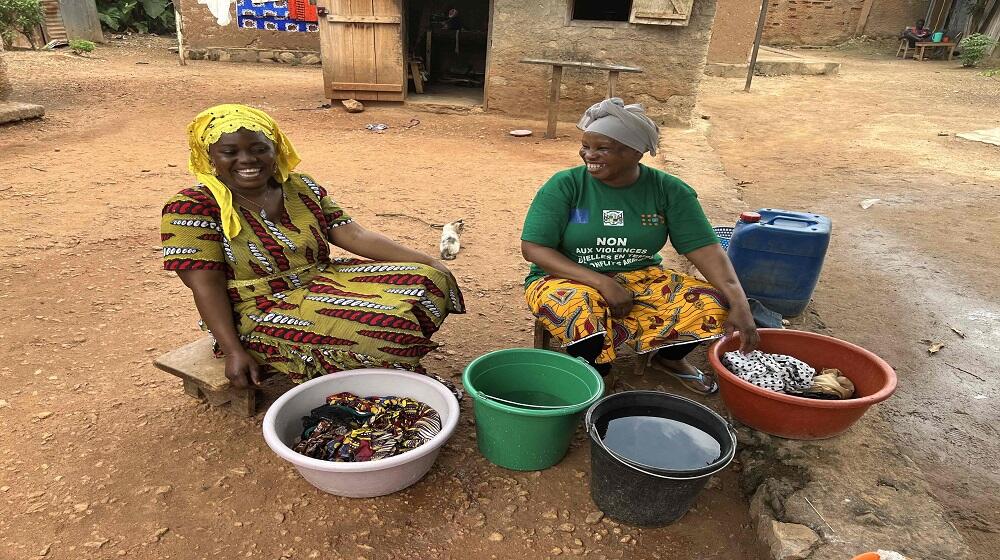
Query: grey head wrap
<point x="627" y="124"/>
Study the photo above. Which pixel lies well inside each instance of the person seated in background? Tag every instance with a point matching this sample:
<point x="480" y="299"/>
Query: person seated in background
<point x="593" y="235"/>
<point x="916" y="33"/>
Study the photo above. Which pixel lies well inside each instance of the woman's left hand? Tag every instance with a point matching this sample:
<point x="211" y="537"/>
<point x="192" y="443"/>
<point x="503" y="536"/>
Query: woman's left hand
<point x="741" y="319"/>
<point x="440" y="266"/>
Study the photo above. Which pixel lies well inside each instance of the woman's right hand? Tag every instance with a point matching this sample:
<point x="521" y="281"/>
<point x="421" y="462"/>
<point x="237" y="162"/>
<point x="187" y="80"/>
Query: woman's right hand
<point x="242" y="369"/>
<point x="618" y="298"/>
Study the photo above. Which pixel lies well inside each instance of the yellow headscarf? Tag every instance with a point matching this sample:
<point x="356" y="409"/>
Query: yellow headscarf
<point x="206" y="129"/>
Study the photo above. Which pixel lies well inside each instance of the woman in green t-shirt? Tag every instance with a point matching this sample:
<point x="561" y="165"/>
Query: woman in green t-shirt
<point x="593" y="234"/>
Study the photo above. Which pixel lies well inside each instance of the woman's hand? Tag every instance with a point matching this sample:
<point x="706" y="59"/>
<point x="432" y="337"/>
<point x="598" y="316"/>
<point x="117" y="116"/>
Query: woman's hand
<point x="242" y="369"/>
<point x="713" y="262"/>
<point x="440" y="266"/>
<point x="741" y="320"/>
<point x="618" y="298"/>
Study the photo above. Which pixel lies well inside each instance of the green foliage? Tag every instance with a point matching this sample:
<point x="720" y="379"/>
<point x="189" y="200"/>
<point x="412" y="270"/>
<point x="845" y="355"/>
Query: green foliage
<point x="80" y="46"/>
<point x="974" y="48"/>
<point x="19" y="17"/>
<point x="143" y="16"/>
<point x="992" y="73"/>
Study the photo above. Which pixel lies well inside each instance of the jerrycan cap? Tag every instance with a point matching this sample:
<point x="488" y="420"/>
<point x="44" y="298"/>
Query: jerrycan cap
<point x="750" y="217"/>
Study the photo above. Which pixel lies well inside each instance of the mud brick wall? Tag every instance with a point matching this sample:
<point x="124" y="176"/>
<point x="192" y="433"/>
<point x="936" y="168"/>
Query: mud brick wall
<point x="672" y="57"/>
<point x="830" y="22"/>
<point x="889" y="17"/>
<point x="733" y="31"/>
<point x="811" y="22"/>
<point x="202" y="33"/>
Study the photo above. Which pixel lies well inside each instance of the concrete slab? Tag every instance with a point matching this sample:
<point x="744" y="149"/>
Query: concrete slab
<point x="987" y="136"/>
<point x="776" y="62"/>
<point x="779" y="62"/>
<point x="11" y="111"/>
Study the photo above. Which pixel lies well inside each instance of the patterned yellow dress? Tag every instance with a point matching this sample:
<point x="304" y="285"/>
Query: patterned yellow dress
<point x="296" y="309"/>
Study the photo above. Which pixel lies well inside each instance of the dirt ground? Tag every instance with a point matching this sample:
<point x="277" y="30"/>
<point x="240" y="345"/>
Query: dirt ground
<point x="104" y="455"/>
<point x="916" y="264"/>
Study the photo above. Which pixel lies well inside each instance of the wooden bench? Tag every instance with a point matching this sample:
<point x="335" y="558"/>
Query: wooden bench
<point x="204" y="377"/>
<point x="557" y="71"/>
<point x="931" y="45"/>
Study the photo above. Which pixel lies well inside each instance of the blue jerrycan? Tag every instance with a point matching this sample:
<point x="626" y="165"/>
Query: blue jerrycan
<point x="778" y="255"/>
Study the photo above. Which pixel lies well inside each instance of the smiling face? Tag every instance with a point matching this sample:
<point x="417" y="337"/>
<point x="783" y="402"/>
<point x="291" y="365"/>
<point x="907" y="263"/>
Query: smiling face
<point x="243" y="160"/>
<point x="608" y="160"/>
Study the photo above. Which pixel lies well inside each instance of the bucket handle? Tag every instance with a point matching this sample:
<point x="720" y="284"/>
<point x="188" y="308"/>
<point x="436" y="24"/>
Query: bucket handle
<point x="586" y="363"/>
<point x="593" y="435"/>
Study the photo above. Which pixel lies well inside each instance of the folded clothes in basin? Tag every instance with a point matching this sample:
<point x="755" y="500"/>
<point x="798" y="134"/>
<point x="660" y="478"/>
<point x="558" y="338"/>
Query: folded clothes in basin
<point x="349" y="428"/>
<point x="785" y="374"/>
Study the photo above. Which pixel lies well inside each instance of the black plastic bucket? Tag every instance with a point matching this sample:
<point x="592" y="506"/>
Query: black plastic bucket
<point x="641" y="495"/>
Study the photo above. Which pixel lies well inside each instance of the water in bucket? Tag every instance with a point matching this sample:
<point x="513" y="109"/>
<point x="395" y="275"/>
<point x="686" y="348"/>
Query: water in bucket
<point x="657" y="441"/>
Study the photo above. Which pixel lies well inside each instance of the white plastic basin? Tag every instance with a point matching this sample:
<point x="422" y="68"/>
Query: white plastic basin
<point x="283" y="424"/>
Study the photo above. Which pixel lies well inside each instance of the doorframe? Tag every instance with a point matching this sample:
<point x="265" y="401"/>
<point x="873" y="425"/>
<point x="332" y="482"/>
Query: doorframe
<point x="406" y="51"/>
<point x="489" y="58"/>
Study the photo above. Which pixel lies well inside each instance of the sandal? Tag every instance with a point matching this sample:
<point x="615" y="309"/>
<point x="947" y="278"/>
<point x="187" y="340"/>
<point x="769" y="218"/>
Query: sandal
<point x="694" y="382"/>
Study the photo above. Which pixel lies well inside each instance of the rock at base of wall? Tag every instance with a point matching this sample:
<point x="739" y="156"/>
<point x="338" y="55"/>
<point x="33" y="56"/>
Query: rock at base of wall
<point x="253" y="55"/>
<point x="353" y="105"/>
<point x="245" y="56"/>
<point x="11" y="111"/>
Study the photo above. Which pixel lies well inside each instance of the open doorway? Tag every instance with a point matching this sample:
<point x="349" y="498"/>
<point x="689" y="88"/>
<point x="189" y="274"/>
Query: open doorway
<point x="447" y="44"/>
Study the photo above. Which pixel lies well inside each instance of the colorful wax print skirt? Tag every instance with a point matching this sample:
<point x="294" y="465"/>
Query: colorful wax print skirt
<point x="669" y="308"/>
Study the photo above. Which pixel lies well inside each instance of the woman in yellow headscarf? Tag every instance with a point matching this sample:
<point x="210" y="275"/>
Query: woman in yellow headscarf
<point x="251" y="241"/>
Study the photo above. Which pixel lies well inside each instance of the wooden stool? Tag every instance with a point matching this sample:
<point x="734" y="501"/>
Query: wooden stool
<point x="904" y="47"/>
<point x="204" y="377"/>
<point x="543" y="338"/>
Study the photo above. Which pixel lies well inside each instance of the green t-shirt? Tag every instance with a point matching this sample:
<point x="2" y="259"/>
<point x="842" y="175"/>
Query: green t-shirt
<point x="615" y="229"/>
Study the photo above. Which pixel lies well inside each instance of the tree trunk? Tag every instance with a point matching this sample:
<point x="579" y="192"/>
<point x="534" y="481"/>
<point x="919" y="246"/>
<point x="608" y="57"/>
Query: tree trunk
<point x="5" y="86"/>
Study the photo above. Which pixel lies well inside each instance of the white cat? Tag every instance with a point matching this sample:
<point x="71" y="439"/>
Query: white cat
<point x="451" y="239"/>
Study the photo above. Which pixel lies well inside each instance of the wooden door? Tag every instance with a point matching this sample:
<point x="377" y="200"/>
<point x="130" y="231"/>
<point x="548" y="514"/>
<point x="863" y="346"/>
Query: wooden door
<point x="361" y="42"/>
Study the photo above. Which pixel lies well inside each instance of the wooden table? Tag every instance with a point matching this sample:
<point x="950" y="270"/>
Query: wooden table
<point x="920" y="46"/>
<point x="613" y="71"/>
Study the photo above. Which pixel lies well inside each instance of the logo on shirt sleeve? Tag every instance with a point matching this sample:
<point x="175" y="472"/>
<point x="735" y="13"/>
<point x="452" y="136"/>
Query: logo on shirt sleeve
<point x="579" y="216"/>
<point x="614" y="218"/>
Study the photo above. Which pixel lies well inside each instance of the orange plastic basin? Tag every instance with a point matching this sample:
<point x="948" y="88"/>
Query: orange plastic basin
<point x="798" y="417"/>
<point x="868" y="556"/>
